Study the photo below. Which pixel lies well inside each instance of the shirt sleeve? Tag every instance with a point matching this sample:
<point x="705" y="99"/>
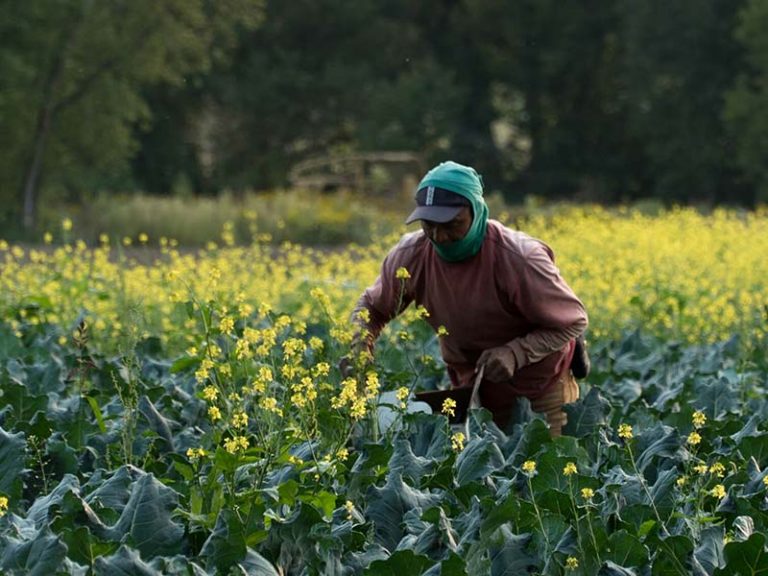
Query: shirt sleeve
<point x="547" y="303"/>
<point x="387" y="297"/>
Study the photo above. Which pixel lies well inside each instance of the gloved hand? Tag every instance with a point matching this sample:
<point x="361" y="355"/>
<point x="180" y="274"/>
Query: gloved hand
<point x="499" y="363"/>
<point x="358" y="360"/>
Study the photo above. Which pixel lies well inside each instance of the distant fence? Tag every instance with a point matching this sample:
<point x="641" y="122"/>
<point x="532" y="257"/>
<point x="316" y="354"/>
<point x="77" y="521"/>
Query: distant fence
<point x="380" y="173"/>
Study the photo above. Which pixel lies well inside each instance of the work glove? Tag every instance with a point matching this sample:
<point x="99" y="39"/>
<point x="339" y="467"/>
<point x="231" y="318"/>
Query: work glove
<point x="358" y="360"/>
<point x="499" y="363"/>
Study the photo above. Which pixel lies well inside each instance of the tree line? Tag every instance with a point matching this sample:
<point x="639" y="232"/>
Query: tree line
<point x="606" y="100"/>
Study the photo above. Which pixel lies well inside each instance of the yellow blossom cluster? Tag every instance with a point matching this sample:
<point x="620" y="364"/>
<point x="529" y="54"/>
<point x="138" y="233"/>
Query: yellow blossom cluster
<point x="696" y="277"/>
<point x="356" y="398"/>
<point x="236" y="444"/>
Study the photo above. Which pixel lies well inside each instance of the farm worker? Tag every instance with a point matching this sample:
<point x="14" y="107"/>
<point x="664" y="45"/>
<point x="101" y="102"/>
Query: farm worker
<point x="496" y="291"/>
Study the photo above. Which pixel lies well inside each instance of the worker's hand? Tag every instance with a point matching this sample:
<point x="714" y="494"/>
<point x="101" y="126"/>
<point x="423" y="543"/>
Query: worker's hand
<point x="357" y="361"/>
<point x="499" y="363"/>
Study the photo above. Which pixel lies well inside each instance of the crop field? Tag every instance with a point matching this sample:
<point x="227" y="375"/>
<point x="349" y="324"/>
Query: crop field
<point x="187" y="416"/>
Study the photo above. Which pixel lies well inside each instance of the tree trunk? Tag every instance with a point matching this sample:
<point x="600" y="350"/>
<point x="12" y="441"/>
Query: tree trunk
<point x="45" y="118"/>
<point x="32" y="178"/>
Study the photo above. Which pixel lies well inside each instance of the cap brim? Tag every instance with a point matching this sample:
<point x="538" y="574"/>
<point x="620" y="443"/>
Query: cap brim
<point x="440" y="214"/>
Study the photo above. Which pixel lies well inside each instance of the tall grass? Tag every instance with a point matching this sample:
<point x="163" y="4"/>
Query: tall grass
<point x="293" y="215"/>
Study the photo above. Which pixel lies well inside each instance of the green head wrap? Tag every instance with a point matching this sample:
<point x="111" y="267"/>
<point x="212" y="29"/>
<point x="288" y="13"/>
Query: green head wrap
<point x="464" y="181"/>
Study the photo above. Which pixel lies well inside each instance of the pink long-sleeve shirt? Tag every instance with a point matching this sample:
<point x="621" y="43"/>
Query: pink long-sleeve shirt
<point x="509" y="293"/>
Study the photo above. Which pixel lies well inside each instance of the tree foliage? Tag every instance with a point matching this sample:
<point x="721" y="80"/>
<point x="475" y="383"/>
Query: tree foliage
<point x="72" y="78"/>
<point x="600" y="100"/>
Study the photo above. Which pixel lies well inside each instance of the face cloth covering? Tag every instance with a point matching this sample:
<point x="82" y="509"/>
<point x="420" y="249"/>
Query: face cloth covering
<point x="466" y="182"/>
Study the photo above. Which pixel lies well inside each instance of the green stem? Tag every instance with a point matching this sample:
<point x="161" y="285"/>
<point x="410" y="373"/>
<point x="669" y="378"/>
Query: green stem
<point x="547" y="545"/>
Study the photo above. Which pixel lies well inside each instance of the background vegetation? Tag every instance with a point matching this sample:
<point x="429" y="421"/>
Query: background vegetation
<point x="607" y="101"/>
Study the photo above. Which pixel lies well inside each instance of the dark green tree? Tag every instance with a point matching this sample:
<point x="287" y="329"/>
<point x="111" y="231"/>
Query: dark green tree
<point x="680" y="58"/>
<point x="746" y="113"/>
<point x="559" y="114"/>
<point x="72" y="75"/>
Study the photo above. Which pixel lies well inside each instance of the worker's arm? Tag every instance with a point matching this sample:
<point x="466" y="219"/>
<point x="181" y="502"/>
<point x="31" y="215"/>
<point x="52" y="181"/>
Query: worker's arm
<point x="540" y="294"/>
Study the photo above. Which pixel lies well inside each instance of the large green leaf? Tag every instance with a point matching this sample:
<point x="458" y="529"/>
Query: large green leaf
<point x="661" y="442"/>
<point x="254" y="564"/>
<point x="398" y="564"/>
<point x="12" y="454"/>
<point x="114" y="492"/>
<point x="454" y="565"/>
<point x="226" y="544"/>
<point x="429" y="436"/>
<point x="672" y="556"/>
<point x="39" y="512"/>
<point x="356" y="562"/>
<point x="508" y="553"/>
<point x="40" y="555"/>
<point x="479" y="459"/>
<point x="747" y="558"/>
<point x="387" y="506"/>
<point x="612" y="569"/>
<point x="24" y="404"/>
<point x="124" y="562"/>
<point x="587" y="415"/>
<point x="717" y="397"/>
<point x="626" y="550"/>
<point x="709" y="551"/>
<point x="754" y="447"/>
<point x="157" y="423"/>
<point x="406" y="463"/>
<point x="146" y="519"/>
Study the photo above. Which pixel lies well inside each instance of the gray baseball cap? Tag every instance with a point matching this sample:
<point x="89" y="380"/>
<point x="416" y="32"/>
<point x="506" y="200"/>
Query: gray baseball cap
<point x="437" y="205"/>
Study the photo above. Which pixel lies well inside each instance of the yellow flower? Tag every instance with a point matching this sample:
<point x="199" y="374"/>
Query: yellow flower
<point x="47" y="238"/>
<point x="529" y="467"/>
<point x="457" y="441"/>
<point x="699" y="419"/>
<point x="195" y="454"/>
<point x="448" y="407"/>
<point x="701" y="468"/>
<point x="350" y="507"/>
<point x="371" y="384"/>
<point x="587" y="493"/>
<point x="402" y="273"/>
<point x="625" y="431"/>
<point x="364" y="315"/>
<point x="269" y="404"/>
<point x="143" y="238"/>
<point x="236" y="444"/>
<point x="66" y="224"/>
<point x="3" y="505"/>
<point x="210" y="393"/>
<point x="342" y="454"/>
<point x="569" y="469"/>
<point x="681" y="481"/>
<point x="240" y="419"/>
<point x="402" y="395"/>
<point x="694" y="439"/>
<point x="717" y="469"/>
<point x="765" y="480"/>
<point x="226" y="324"/>
<point x="214" y="413"/>
<point x="442" y="331"/>
<point x="718" y="492"/>
<point x="571" y="563"/>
